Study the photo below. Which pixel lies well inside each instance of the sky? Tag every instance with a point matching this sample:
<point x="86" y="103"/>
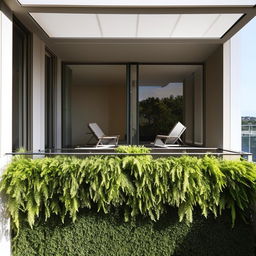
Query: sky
<point x="247" y="66"/>
<point x="174" y="89"/>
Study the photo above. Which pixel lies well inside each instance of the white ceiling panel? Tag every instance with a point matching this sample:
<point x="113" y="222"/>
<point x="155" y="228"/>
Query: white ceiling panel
<point x="68" y="25"/>
<point x="156" y="25"/>
<point x="64" y="25"/>
<point x="139" y="2"/>
<point x="190" y="25"/>
<point x="222" y="25"/>
<point x="118" y="25"/>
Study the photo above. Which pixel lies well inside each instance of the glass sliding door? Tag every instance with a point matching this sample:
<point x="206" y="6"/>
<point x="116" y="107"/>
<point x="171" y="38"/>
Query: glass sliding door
<point x="160" y="101"/>
<point x="134" y="101"/>
<point x="21" y="128"/>
<point x="49" y="99"/>
<point x="169" y="94"/>
<point x="93" y="94"/>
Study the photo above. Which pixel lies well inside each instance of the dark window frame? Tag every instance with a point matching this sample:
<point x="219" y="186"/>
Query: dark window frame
<point x="50" y="99"/>
<point x="24" y="128"/>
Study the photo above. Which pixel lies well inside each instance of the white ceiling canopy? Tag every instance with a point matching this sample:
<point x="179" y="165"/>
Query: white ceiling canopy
<point x="66" y="25"/>
<point x="138" y="2"/>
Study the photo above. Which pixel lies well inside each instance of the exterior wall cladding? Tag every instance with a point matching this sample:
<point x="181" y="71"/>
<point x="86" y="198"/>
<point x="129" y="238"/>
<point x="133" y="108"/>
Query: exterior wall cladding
<point x="221" y="125"/>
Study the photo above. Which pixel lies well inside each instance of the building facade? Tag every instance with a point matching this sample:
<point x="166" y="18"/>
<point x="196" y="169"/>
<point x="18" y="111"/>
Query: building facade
<point x="63" y="65"/>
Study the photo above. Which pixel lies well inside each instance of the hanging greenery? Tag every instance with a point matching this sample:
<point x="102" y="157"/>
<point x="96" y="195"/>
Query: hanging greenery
<point x="141" y="185"/>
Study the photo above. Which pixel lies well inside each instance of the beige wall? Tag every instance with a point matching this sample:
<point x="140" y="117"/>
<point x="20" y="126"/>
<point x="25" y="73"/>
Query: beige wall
<point x="198" y="107"/>
<point x="188" y="88"/>
<point x="214" y="99"/>
<point x="193" y="108"/>
<point x="103" y="103"/>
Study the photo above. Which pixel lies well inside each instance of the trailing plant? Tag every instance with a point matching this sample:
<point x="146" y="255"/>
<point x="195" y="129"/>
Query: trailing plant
<point x="140" y="185"/>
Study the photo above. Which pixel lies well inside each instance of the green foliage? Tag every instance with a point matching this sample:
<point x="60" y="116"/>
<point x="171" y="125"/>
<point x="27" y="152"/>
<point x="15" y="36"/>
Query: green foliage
<point x="132" y="149"/>
<point x="99" y="234"/>
<point x="141" y="185"/>
<point x="158" y="116"/>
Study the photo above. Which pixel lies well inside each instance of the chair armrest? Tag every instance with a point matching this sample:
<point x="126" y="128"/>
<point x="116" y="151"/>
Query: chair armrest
<point x="162" y="136"/>
<point x="110" y="137"/>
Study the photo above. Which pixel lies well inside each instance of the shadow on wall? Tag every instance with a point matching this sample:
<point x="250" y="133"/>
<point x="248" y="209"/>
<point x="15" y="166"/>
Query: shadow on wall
<point x="215" y="237"/>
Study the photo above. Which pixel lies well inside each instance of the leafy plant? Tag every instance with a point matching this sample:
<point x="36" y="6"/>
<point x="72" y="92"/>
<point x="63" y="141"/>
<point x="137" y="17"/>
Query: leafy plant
<point x="132" y="149"/>
<point x="140" y="185"/>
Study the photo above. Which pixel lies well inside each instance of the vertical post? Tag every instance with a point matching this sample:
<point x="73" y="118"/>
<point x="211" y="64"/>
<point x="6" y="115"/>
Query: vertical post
<point x="134" y="104"/>
<point x="38" y="94"/>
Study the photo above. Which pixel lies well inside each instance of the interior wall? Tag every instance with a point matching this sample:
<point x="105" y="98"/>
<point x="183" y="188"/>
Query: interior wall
<point x="102" y="103"/>
<point x="193" y="107"/>
<point x="188" y="88"/>
<point x="213" y="105"/>
<point x="198" y="107"/>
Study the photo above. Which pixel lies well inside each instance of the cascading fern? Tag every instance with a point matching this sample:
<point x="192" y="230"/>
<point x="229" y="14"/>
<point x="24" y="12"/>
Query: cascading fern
<point x="139" y="184"/>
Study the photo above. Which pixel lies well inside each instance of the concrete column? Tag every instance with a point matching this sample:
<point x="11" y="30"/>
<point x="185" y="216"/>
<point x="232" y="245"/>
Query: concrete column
<point x="5" y="120"/>
<point x="231" y="96"/>
<point x="38" y="94"/>
<point x="213" y="100"/>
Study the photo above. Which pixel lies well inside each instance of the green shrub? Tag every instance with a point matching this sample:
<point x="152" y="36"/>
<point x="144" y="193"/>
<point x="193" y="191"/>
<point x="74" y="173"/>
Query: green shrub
<point x="132" y="149"/>
<point x="141" y="185"/>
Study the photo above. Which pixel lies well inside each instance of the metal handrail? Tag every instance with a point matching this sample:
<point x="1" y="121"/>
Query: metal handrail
<point x="223" y="153"/>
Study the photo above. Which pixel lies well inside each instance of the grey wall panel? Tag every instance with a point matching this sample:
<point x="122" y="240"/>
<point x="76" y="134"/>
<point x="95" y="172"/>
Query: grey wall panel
<point x="213" y="105"/>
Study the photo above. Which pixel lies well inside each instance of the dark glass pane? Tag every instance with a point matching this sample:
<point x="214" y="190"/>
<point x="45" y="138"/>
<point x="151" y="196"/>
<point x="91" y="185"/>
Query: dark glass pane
<point x="245" y="143"/>
<point x="160" y="102"/>
<point x="93" y="94"/>
<point x="19" y="71"/>
<point x="253" y="147"/>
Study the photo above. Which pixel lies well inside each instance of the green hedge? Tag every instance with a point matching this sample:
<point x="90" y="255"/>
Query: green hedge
<point x="99" y="234"/>
<point x="140" y="184"/>
<point x="133" y="196"/>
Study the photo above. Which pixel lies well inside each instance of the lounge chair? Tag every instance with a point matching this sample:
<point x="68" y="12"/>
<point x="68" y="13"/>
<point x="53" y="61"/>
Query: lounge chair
<point x="173" y="138"/>
<point x="103" y="140"/>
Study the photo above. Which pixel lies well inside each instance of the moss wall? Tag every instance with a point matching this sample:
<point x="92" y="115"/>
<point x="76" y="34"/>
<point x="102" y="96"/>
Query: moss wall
<point x="97" y="234"/>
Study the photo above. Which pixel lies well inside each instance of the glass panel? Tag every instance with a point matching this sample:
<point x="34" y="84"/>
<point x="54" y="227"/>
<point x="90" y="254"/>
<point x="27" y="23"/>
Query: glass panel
<point x="243" y="56"/>
<point x="253" y="147"/>
<point x="140" y="2"/>
<point x="93" y="94"/>
<point x="21" y="92"/>
<point x="168" y="94"/>
<point x="245" y="143"/>
<point x="160" y="101"/>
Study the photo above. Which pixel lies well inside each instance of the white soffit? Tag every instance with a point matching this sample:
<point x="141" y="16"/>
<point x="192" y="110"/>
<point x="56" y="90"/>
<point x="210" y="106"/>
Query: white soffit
<point x="68" y="25"/>
<point x="65" y="25"/>
<point x="138" y="2"/>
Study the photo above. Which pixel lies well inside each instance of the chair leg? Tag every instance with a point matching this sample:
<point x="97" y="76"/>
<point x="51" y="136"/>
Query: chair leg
<point x="181" y="141"/>
<point x="98" y="143"/>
